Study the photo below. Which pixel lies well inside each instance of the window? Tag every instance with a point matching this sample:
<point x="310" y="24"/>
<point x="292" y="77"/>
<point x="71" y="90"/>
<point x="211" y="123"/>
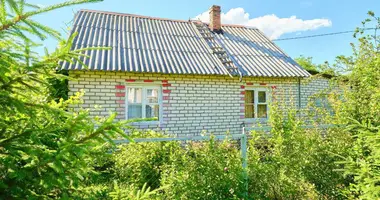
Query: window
<point x="321" y="101"/>
<point x="256" y="103"/>
<point x="143" y="102"/>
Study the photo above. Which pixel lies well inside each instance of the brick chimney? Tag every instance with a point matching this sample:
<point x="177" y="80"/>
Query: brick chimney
<point x="215" y="22"/>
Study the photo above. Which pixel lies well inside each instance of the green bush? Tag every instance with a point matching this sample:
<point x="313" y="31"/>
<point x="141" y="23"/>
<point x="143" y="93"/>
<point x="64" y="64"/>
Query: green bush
<point x="292" y="163"/>
<point x="173" y="170"/>
<point x="142" y="163"/>
<point x="205" y="170"/>
<point x="295" y="163"/>
<point x="358" y="108"/>
<point x="130" y="192"/>
<point x="129" y="171"/>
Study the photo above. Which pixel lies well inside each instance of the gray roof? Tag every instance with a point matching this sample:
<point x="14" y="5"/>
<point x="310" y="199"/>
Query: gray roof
<point x="155" y="45"/>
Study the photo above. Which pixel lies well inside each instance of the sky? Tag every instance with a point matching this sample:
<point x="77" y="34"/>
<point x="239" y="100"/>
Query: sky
<point x="278" y="19"/>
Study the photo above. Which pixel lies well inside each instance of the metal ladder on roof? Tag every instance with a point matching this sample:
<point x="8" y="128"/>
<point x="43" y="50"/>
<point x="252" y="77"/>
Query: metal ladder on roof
<point x="217" y="48"/>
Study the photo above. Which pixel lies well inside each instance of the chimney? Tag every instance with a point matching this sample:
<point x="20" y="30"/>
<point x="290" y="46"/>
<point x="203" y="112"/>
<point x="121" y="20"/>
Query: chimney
<point x="215" y="23"/>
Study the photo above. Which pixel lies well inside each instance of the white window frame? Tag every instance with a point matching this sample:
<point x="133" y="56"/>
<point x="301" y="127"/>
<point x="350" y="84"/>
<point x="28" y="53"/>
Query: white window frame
<point x="256" y="102"/>
<point x="144" y="101"/>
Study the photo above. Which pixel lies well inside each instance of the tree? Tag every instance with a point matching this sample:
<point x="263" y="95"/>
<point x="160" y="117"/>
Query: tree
<point x="307" y="64"/>
<point x="45" y="145"/>
<point x="359" y="108"/>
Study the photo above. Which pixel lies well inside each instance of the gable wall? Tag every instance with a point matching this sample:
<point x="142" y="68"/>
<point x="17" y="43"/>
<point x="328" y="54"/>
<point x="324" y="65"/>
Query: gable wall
<point x="190" y="103"/>
<point x="312" y="86"/>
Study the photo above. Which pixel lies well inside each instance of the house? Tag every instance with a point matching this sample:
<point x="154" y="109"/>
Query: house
<point x="188" y="75"/>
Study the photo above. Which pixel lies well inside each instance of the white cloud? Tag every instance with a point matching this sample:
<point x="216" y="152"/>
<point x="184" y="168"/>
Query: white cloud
<point x="271" y="25"/>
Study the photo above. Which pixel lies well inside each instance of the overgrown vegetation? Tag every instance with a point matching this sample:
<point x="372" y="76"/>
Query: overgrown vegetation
<point x="360" y="110"/>
<point x="52" y="149"/>
<point x="46" y="146"/>
<point x="296" y="163"/>
<point x="205" y="170"/>
<point x="308" y="64"/>
<point x="292" y="164"/>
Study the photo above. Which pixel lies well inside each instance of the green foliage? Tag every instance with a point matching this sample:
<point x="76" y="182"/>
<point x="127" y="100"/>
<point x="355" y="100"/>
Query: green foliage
<point x="307" y="64"/>
<point x="132" y="193"/>
<point x="364" y="161"/>
<point x="362" y="94"/>
<point x="51" y="149"/>
<point x="356" y="106"/>
<point x="295" y="163"/>
<point x="359" y="108"/>
<point x="292" y="164"/>
<point x="167" y="170"/>
<point x="48" y="155"/>
<point x="46" y="146"/>
<point x="59" y="88"/>
<point x="142" y="163"/>
<point x="205" y="170"/>
<point x="129" y="172"/>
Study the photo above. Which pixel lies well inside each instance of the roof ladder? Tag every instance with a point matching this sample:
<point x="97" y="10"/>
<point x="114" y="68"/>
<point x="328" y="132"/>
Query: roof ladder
<point x="216" y="47"/>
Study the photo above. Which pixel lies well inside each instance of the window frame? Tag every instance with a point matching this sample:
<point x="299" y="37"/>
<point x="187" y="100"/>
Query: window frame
<point x="144" y="101"/>
<point x="256" y="91"/>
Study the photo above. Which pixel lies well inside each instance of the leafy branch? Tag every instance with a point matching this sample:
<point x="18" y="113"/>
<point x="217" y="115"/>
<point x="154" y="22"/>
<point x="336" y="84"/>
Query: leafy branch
<point x="20" y="16"/>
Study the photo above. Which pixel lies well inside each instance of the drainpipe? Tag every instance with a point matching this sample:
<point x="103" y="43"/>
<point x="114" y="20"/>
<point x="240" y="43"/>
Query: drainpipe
<point x="299" y="93"/>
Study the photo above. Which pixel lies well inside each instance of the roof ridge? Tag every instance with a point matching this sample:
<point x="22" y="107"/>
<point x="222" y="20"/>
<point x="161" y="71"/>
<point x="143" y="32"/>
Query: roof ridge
<point x="132" y="15"/>
<point x="155" y="18"/>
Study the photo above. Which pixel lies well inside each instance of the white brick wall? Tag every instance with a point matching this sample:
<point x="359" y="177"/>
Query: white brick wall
<point x="311" y="86"/>
<point x="191" y="103"/>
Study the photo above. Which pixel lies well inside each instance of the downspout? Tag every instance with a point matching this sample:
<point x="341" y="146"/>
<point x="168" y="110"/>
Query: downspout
<point x="299" y="93"/>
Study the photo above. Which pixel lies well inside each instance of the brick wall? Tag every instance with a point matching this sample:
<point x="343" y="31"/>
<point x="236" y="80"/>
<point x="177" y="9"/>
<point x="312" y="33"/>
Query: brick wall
<point x="311" y="86"/>
<point x="215" y="18"/>
<point x="190" y="103"/>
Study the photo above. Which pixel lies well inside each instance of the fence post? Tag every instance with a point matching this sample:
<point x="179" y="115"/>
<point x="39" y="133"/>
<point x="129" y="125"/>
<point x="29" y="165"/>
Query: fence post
<point x="243" y="148"/>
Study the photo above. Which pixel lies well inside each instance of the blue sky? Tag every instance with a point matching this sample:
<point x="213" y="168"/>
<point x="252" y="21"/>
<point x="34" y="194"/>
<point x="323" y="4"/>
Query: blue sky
<point x="277" y="18"/>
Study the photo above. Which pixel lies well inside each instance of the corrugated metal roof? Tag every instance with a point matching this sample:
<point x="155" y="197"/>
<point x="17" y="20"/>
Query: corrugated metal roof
<point x="145" y="44"/>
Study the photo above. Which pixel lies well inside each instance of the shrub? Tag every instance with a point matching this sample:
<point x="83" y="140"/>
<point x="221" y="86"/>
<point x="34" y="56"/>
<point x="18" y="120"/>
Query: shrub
<point x="195" y="170"/>
<point x="130" y="192"/>
<point x="142" y="163"/>
<point x="205" y="170"/>
<point x="359" y="109"/>
<point x="294" y="163"/>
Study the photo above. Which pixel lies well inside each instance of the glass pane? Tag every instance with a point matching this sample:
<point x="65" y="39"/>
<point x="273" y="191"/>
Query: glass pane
<point x="322" y="102"/>
<point x="262" y="97"/>
<point x="262" y="111"/>
<point x="249" y="111"/>
<point x="249" y="97"/>
<point x="319" y="103"/>
<point x="152" y="95"/>
<point x="152" y="111"/>
<point x="134" y="95"/>
<point x="134" y="111"/>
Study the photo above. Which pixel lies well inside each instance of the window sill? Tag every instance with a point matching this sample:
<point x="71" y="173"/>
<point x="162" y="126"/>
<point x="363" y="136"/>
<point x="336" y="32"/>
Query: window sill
<point x="146" y="123"/>
<point x="255" y="120"/>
